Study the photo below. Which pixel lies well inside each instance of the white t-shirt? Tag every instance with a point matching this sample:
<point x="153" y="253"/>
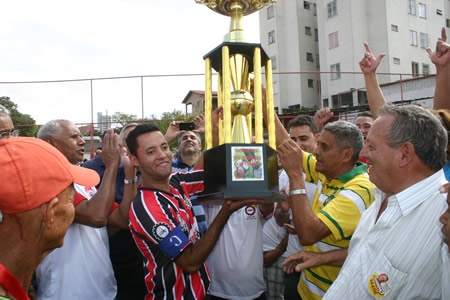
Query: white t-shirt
<point x="293" y="241"/>
<point x="81" y="268"/>
<point x="236" y="262"/>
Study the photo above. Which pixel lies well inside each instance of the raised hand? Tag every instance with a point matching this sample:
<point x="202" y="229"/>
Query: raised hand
<point x="441" y="56"/>
<point x="369" y="63"/>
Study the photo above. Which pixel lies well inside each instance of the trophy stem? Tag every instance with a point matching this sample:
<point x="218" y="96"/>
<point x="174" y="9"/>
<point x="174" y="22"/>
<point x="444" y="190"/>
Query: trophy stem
<point x="236" y="33"/>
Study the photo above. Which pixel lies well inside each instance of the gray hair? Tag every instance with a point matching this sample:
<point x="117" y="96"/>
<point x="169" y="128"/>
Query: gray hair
<point x="122" y="138"/>
<point x="420" y="127"/>
<point x="52" y="129"/>
<point x="4" y="111"/>
<point x="347" y="136"/>
<point x="199" y="138"/>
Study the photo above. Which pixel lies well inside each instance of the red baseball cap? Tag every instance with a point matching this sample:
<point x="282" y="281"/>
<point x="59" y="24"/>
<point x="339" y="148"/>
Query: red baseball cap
<point x="33" y="172"/>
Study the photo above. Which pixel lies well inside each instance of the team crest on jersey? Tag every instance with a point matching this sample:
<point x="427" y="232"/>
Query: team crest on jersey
<point x="182" y="224"/>
<point x="160" y="230"/>
<point x="187" y="202"/>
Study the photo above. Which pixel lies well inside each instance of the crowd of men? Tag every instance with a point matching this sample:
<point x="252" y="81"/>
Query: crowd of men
<point x="366" y="212"/>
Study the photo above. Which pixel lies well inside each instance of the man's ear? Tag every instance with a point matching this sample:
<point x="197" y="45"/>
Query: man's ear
<point x="49" y="140"/>
<point x="347" y="155"/>
<point x="133" y="159"/>
<point x="49" y="212"/>
<point x="408" y="152"/>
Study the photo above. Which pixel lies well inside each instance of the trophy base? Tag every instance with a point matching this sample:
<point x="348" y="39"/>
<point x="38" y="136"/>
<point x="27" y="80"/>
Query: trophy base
<point x="219" y="197"/>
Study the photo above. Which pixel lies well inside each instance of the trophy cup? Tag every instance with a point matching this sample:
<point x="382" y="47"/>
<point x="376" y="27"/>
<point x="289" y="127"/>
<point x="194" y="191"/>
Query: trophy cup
<point x="239" y="168"/>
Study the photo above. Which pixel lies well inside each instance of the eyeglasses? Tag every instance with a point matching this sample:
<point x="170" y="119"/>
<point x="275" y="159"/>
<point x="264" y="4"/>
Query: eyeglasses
<point x="8" y="134"/>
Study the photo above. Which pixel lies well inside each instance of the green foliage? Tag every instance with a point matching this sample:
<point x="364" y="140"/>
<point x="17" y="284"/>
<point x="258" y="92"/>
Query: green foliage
<point x="123" y="119"/>
<point x="24" y="122"/>
<point x="167" y="118"/>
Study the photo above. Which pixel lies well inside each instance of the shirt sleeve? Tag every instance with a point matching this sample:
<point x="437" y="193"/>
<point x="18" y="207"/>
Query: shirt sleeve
<point x="80" y="198"/>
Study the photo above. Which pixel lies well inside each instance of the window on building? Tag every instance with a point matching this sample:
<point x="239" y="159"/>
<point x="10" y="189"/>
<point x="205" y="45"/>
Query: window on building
<point x="422" y="10"/>
<point x="314" y="9"/>
<point x="271" y="37"/>
<point x="335" y="71"/>
<point x="317" y="61"/>
<point x="308" y="30"/>
<point x="333" y="40"/>
<point x="275" y="87"/>
<point x="316" y="34"/>
<point x="310" y="83"/>
<point x="412" y="7"/>
<point x="447" y="23"/>
<point x="396" y="61"/>
<point x="415" y="68"/>
<point x="274" y="62"/>
<point x="270" y="12"/>
<point x="332" y="8"/>
<point x="309" y="56"/>
<point x="423" y="40"/>
<point x="394" y="27"/>
<point x="306" y="5"/>
<point x="439" y="12"/>
<point x="425" y="69"/>
<point x="413" y="37"/>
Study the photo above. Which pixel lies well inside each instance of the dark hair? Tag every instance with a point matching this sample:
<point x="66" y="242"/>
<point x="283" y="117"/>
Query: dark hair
<point x="304" y="120"/>
<point x="364" y="114"/>
<point x="135" y="133"/>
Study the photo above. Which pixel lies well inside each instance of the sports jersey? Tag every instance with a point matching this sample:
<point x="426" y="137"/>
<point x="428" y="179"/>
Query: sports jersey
<point x="339" y="204"/>
<point x="179" y="166"/>
<point x="81" y="268"/>
<point x="163" y="226"/>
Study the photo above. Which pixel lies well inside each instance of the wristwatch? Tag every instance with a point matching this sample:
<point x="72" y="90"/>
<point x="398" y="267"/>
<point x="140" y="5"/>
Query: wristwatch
<point x="130" y="181"/>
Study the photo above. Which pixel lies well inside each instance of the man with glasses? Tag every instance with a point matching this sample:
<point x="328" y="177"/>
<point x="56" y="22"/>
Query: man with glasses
<point x="6" y="125"/>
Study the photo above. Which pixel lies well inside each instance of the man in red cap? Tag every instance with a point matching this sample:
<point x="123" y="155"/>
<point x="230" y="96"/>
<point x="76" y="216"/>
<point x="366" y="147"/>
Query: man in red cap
<point x="36" y="208"/>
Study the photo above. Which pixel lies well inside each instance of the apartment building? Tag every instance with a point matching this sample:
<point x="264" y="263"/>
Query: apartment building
<point x="303" y="37"/>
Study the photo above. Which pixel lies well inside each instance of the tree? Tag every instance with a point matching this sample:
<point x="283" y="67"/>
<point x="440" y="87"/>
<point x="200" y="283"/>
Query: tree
<point x="167" y="118"/>
<point x="24" y="122"/>
<point x="123" y="119"/>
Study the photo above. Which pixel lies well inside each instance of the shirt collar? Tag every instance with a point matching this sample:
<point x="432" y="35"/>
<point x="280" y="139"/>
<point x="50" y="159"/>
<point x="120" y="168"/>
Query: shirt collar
<point x="360" y="168"/>
<point x="414" y="195"/>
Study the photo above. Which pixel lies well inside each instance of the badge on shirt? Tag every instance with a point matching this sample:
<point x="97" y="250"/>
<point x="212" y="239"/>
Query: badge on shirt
<point x="379" y="284"/>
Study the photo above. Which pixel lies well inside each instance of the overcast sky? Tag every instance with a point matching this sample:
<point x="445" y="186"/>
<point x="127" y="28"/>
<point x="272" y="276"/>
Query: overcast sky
<point x="47" y="40"/>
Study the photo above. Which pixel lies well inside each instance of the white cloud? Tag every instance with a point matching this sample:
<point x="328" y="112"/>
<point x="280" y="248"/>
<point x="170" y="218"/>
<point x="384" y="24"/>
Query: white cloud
<point x="58" y="40"/>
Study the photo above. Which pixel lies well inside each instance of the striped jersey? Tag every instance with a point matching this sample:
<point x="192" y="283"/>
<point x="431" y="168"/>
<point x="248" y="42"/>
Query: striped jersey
<point x="339" y="204"/>
<point x="163" y="225"/>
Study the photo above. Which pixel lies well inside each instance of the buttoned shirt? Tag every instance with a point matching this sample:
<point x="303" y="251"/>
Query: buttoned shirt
<point x="402" y="254"/>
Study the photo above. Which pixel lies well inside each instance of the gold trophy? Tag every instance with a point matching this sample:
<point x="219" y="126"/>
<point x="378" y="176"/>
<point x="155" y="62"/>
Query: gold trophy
<point x="239" y="167"/>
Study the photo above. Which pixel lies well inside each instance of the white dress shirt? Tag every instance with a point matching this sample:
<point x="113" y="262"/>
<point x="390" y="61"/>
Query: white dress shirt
<point x="402" y="255"/>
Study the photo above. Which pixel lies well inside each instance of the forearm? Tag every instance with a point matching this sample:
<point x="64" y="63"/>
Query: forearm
<point x="308" y="226"/>
<point x="120" y="216"/>
<point x="375" y="95"/>
<point x="194" y="256"/>
<point x="95" y="211"/>
<point x="442" y="89"/>
<point x="334" y="257"/>
<point x="280" y="132"/>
